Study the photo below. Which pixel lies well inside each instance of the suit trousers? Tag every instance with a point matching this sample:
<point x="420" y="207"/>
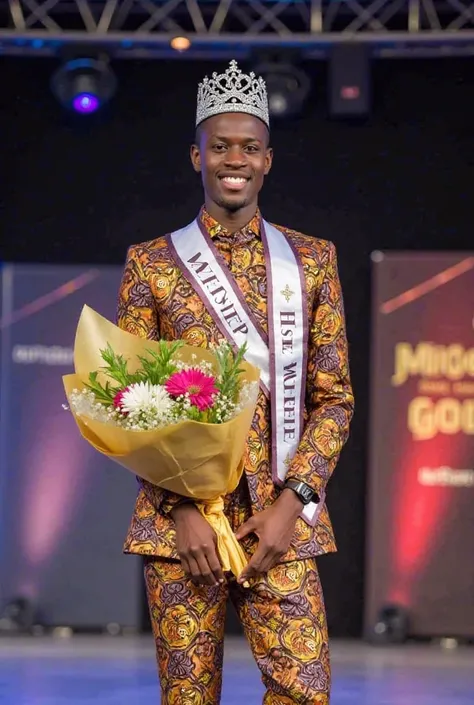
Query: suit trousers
<point x="283" y="618"/>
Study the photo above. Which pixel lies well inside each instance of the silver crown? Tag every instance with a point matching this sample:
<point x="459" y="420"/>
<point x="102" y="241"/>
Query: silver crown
<point x="232" y="92"/>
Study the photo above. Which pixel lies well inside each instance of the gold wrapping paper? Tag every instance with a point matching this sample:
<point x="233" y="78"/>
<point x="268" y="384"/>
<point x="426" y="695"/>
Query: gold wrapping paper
<point x="196" y="460"/>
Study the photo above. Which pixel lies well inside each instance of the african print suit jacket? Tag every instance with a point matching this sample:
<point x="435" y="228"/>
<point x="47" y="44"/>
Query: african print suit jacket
<point x="156" y="301"/>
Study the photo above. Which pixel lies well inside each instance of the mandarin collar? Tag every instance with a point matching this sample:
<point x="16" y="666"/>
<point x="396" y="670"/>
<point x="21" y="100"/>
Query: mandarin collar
<point x="215" y="229"/>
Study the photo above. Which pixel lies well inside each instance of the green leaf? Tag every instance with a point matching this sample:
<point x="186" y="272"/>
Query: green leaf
<point x="104" y="394"/>
<point x="116" y="368"/>
<point x="229" y="368"/>
<point x="160" y="365"/>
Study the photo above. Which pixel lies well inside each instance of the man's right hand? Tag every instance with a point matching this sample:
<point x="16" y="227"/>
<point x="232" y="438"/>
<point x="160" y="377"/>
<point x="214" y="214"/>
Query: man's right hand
<point x="196" y="543"/>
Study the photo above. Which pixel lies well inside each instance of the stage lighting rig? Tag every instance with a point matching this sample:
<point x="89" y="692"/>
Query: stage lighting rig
<point x="287" y="88"/>
<point x="84" y="84"/>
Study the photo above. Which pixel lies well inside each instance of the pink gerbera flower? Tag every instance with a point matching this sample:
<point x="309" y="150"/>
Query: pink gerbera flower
<point x="118" y="400"/>
<point x="200" y="387"/>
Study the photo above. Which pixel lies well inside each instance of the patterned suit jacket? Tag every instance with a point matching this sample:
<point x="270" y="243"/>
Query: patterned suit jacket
<point x="156" y="301"/>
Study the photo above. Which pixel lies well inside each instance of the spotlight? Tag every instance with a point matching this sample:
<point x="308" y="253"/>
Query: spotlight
<point x="85" y="103"/>
<point x="84" y="85"/>
<point x="391" y="626"/>
<point x="180" y="43"/>
<point x="287" y="88"/>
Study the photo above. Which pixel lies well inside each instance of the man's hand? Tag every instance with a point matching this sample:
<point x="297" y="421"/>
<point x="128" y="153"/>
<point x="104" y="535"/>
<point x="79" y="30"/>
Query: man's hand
<point x="274" y="527"/>
<point x="196" y="543"/>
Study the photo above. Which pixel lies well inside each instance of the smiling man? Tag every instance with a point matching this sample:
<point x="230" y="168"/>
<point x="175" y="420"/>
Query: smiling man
<point x="232" y="186"/>
<point x="232" y="274"/>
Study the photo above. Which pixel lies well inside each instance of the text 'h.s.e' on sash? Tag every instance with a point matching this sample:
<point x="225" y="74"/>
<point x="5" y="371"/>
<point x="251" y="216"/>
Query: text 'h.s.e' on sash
<point x="282" y="358"/>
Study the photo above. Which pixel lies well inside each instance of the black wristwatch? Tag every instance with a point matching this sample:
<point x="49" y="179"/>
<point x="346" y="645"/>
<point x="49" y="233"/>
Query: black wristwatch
<point x="305" y="493"/>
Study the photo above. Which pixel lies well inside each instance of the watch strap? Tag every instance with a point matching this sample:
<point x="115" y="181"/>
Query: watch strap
<point x="305" y="493"/>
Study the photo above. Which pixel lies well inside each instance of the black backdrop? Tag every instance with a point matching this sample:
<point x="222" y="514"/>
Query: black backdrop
<point x="82" y="190"/>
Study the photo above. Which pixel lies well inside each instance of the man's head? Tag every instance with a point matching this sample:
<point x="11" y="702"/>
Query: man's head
<point x="233" y="156"/>
<point x="231" y="148"/>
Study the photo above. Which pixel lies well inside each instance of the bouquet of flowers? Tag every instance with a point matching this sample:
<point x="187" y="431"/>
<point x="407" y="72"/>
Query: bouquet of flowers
<point x="164" y="389"/>
<point x="173" y="414"/>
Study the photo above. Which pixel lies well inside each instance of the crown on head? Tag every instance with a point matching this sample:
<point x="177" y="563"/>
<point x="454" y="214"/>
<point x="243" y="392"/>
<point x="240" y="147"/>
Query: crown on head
<point x="232" y="92"/>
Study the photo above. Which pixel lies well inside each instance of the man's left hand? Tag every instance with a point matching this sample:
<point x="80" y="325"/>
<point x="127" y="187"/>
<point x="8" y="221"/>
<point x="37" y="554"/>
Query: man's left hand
<point x="274" y="527"/>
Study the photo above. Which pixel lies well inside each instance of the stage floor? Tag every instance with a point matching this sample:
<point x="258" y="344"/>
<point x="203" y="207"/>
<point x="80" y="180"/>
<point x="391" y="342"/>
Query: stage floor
<point x="121" y="671"/>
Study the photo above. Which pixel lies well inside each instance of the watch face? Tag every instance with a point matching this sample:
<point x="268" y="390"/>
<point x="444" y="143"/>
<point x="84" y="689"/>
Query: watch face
<point x="306" y="492"/>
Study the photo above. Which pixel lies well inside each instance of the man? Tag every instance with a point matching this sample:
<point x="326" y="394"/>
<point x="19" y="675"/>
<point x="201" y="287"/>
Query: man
<point x="232" y="274"/>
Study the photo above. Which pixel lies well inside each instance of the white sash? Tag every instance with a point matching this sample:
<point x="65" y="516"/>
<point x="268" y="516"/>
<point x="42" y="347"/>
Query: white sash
<point x="282" y="356"/>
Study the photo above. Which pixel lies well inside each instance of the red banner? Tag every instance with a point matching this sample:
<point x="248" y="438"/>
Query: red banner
<point x="420" y="549"/>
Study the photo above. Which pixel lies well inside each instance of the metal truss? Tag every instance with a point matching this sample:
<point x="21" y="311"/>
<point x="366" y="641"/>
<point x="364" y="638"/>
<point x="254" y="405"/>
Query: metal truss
<point x="236" y="28"/>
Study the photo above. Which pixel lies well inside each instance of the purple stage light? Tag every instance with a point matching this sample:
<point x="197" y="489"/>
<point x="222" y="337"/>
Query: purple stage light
<point x="84" y="84"/>
<point x="85" y="103"/>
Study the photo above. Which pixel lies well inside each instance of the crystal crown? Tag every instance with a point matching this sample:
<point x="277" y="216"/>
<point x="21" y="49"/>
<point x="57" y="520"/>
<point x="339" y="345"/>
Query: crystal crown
<point x="232" y="92"/>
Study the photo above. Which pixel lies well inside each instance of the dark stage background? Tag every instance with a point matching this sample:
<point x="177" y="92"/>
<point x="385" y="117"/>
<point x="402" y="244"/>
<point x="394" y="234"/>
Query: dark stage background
<point x="81" y="191"/>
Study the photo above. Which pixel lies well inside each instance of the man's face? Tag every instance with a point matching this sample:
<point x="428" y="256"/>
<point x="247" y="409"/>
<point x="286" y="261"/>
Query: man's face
<point x="233" y="157"/>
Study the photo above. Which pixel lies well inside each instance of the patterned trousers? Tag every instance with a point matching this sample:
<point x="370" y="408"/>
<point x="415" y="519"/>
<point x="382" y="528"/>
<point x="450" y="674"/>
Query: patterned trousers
<point x="283" y="618"/>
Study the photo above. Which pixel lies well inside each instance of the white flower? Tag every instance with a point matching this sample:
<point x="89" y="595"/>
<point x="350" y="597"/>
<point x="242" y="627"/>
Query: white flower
<point x="143" y="397"/>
